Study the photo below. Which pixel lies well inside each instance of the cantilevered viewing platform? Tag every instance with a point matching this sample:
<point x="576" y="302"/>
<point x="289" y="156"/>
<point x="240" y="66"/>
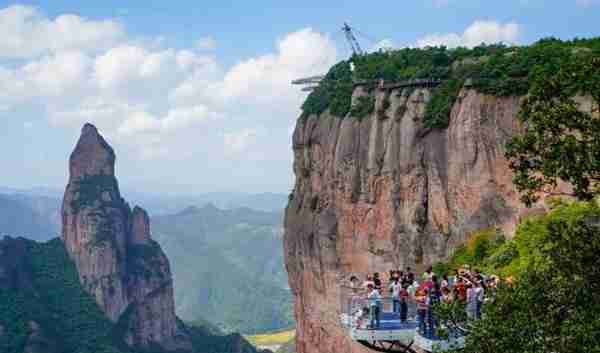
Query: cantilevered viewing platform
<point x="393" y="331"/>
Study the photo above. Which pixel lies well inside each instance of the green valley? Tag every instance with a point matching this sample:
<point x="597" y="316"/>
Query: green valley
<point x="228" y="267"/>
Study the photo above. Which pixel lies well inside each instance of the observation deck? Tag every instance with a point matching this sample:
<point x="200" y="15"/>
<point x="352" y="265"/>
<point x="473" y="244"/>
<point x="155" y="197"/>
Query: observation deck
<point x="393" y="333"/>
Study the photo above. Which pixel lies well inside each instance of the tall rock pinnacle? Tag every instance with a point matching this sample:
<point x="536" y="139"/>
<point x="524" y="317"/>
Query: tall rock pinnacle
<point x="119" y="264"/>
<point x="92" y="155"/>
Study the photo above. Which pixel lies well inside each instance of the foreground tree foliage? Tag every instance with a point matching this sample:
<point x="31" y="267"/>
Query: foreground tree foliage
<point x="554" y="304"/>
<point x="561" y="137"/>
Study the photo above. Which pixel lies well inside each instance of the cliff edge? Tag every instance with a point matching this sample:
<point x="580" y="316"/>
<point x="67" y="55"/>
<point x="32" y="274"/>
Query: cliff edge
<point x="384" y="192"/>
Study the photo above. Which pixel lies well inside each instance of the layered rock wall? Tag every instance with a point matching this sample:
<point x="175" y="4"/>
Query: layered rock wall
<point x="118" y="262"/>
<point x="384" y="192"/>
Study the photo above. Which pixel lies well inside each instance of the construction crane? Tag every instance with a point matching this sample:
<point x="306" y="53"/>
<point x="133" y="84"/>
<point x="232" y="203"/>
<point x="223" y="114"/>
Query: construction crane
<point x="356" y="49"/>
<point x="312" y="82"/>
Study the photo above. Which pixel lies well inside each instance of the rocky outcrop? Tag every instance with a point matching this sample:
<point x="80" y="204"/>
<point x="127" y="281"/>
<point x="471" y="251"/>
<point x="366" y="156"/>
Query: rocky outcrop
<point x="119" y="264"/>
<point x="384" y="192"/>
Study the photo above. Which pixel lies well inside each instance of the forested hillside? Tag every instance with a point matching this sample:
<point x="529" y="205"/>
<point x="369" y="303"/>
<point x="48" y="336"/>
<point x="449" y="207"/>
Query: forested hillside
<point x="45" y="309"/>
<point x="228" y="267"/>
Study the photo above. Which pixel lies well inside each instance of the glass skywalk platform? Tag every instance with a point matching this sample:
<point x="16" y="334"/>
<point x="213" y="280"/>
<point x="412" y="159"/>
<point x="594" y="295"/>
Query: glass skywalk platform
<point x="392" y="334"/>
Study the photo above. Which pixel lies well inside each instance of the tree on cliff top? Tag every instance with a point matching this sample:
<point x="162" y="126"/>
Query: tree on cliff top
<point x="560" y="141"/>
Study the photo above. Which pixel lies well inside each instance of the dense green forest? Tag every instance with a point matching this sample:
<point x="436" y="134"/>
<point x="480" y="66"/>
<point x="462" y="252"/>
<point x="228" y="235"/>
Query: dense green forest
<point x="489" y="251"/>
<point x="492" y="69"/>
<point x="67" y="318"/>
<point x="58" y="303"/>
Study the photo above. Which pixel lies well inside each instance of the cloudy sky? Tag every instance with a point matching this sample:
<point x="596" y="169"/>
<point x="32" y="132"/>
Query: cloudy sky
<point x="195" y="96"/>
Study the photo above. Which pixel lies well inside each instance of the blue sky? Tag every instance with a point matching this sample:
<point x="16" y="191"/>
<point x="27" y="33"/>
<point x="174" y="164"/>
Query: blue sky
<point x="195" y="96"/>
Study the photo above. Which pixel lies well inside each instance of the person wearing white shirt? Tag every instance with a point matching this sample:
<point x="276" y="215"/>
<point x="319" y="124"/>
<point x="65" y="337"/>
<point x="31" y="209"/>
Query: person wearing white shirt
<point x="412" y="290"/>
<point x="471" y="301"/>
<point x="374" y="305"/>
<point x="395" y="288"/>
<point x="480" y="296"/>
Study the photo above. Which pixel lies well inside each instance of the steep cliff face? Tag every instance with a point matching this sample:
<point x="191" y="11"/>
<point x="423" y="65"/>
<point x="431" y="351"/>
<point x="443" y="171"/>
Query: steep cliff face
<point x="381" y="192"/>
<point x="118" y="263"/>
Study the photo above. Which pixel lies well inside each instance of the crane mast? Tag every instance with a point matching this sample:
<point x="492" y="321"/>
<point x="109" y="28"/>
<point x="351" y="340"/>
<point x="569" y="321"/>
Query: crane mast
<point x="310" y="83"/>
<point x="356" y="49"/>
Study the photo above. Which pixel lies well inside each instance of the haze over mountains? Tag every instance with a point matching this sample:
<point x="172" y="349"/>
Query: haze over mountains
<point x="225" y="251"/>
<point x="105" y="285"/>
<point x="48" y="199"/>
<point x="228" y="267"/>
<point x="33" y="217"/>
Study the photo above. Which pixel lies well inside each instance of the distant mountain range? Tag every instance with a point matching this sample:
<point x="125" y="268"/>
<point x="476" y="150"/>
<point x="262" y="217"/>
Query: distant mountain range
<point x="32" y="217"/>
<point x="228" y="267"/>
<point x="226" y="252"/>
<point x="160" y="204"/>
<point x="105" y="286"/>
<point x="169" y="204"/>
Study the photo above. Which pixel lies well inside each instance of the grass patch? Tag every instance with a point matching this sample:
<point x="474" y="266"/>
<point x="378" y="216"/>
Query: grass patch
<point x="272" y="339"/>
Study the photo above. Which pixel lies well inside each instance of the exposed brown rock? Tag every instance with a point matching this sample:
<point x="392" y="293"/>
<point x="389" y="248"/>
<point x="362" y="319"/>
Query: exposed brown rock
<point x="384" y="192"/>
<point x="140" y="228"/>
<point x="118" y="263"/>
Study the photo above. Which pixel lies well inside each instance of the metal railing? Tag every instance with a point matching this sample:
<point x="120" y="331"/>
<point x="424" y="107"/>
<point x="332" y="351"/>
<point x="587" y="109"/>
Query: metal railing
<point x="383" y="313"/>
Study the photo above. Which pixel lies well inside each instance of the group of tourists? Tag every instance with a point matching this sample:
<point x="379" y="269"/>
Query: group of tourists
<point x="414" y="297"/>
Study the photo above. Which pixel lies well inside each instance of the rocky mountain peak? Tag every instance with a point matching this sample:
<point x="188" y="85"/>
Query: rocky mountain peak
<point x="119" y="265"/>
<point x="92" y="155"/>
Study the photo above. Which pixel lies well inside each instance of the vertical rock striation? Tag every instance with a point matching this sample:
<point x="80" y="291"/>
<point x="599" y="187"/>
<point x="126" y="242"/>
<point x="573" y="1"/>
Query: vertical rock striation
<point x="381" y="192"/>
<point x="119" y="264"/>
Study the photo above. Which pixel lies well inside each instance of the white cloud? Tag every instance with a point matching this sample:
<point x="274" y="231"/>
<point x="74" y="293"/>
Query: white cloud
<point x="55" y="74"/>
<point x="206" y="43"/>
<point x="179" y="106"/>
<point x="488" y="32"/>
<point x="301" y="53"/>
<point x="28" y="33"/>
<point x="127" y="63"/>
<point x="175" y="119"/>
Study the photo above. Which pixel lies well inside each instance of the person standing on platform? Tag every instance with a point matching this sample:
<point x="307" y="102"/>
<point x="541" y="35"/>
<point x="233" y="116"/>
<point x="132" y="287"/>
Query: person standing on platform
<point x="471" y="301"/>
<point x="422" y="297"/>
<point x="480" y="296"/>
<point x="377" y="281"/>
<point x="395" y="288"/>
<point x="404" y="297"/>
<point x="374" y="298"/>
